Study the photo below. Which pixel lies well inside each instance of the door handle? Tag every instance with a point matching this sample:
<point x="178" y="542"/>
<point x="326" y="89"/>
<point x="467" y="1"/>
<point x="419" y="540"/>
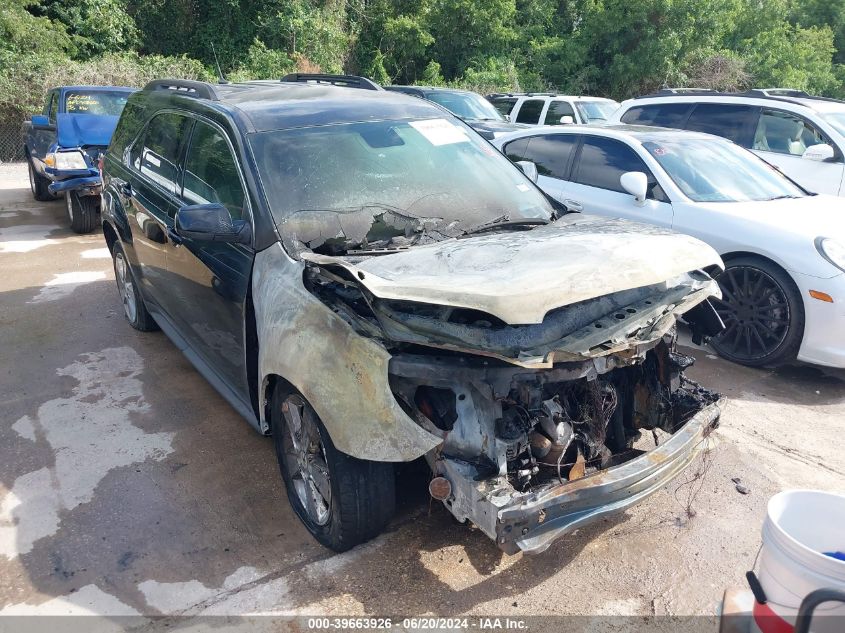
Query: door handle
<point x="173" y="236"/>
<point x="573" y="205"/>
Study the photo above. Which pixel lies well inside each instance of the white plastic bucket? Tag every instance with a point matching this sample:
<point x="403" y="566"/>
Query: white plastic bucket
<point x="800" y="525"/>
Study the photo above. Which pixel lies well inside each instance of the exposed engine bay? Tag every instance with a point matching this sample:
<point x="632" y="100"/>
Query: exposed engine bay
<point x="524" y="409"/>
<point x="536" y="371"/>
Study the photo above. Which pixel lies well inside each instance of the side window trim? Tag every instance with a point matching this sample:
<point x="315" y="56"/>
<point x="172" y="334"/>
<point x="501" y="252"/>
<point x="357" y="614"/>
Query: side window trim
<point x="570" y="164"/>
<point x="232" y="152"/>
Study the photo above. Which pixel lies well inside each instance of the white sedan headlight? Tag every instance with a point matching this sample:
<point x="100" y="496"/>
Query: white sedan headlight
<point x="70" y="160"/>
<point x="832" y="251"/>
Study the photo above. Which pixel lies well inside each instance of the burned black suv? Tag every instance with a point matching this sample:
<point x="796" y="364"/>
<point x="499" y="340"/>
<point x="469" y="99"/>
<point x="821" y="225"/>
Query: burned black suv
<point x="365" y="278"/>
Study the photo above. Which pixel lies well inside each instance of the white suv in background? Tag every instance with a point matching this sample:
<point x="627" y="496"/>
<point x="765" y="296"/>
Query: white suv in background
<point x="534" y="108"/>
<point x="804" y="136"/>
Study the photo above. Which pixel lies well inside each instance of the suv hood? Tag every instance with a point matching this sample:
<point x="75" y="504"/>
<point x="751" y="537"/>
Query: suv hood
<point x="519" y="276"/>
<point x="80" y="130"/>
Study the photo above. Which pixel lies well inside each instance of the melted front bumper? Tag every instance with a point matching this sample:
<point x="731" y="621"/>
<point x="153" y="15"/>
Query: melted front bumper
<point x="532" y="522"/>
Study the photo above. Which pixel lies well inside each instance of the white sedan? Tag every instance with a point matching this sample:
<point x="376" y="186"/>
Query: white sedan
<point x="784" y="249"/>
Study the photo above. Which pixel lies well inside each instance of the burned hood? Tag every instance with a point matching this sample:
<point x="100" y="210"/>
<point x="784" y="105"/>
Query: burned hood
<point x="519" y="276"/>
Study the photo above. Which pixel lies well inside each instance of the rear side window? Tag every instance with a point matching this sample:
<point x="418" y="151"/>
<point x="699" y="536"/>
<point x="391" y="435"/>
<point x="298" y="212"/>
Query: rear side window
<point x="156" y="153"/>
<point x="602" y="162"/>
<point x="515" y="150"/>
<point x="211" y="172"/>
<point x="551" y="153"/>
<point x="558" y="109"/>
<point x="529" y="111"/>
<point x="54" y="107"/>
<point x="734" y="122"/>
<point x="504" y="105"/>
<point x="658" y="114"/>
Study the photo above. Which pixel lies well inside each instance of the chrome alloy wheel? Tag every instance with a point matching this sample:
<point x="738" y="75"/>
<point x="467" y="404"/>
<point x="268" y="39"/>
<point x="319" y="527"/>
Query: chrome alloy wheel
<point x="305" y="459"/>
<point x="125" y="286"/>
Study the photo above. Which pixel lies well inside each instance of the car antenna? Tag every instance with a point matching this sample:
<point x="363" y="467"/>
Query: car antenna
<point x="221" y="79"/>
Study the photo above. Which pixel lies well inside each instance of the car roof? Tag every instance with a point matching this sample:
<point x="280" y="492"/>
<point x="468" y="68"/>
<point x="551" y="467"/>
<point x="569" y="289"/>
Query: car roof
<point x="639" y="133"/>
<point x="272" y="105"/>
<point x="755" y="97"/>
<point x="99" y="88"/>
<point x="548" y="95"/>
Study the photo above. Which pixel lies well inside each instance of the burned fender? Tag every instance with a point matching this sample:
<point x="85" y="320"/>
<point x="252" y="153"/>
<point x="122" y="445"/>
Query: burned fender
<point x="342" y="374"/>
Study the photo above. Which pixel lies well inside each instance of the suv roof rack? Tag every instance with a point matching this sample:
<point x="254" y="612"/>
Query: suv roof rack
<point x="683" y="91"/>
<point x="522" y="94"/>
<point x="781" y="92"/>
<point x="346" y="81"/>
<point x="187" y="87"/>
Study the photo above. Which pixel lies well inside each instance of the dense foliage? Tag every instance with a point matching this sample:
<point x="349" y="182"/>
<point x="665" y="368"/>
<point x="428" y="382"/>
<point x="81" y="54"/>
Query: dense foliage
<point x="616" y="48"/>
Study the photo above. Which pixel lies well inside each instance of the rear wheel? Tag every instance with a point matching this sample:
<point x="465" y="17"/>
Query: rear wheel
<point x="762" y="311"/>
<point x="38" y="184"/>
<point x="81" y="211"/>
<point x="341" y="500"/>
<point x="133" y="303"/>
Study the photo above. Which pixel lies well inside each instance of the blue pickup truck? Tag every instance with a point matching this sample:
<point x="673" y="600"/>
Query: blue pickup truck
<point x="63" y="145"/>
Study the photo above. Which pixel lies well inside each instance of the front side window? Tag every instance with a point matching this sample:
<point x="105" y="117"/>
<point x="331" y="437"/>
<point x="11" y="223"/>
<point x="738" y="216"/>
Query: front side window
<point x="733" y="122"/>
<point x="602" y="162"/>
<point x="557" y="110"/>
<point x="711" y="170"/>
<point x="785" y="133"/>
<point x="551" y="153"/>
<point x="594" y="111"/>
<point x="95" y="102"/>
<point x="156" y="153"/>
<point x="395" y="183"/>
<point x="211" y="173"/>
<point x="529" y="111"/>
<point x="672" y="115"/>
<point x="515" y="150"/>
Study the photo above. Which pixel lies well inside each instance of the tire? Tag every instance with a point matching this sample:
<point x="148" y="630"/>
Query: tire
<point x="763" y="313"/>
<point x="362" y="494"/>
<point x="134" y="308"/>
<point x="38" y="184"/>
<point x="81" y="211"/>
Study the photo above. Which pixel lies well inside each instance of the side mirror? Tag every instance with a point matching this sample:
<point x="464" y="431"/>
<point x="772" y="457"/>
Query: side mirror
<point x="820" y="152"/>
<point x="210" y="223"/>
<point x="635" y="183"/>
<point x="39" y="121"/>
<point x="566" y="120"/>
<point x="529" y="169"/>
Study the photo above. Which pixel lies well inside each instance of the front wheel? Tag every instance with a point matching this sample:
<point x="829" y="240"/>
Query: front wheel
<point x="341" y="500"/>
<point x="38" y="184"/>
<point x="762" y="311"/>
<point x="81" y="211"/>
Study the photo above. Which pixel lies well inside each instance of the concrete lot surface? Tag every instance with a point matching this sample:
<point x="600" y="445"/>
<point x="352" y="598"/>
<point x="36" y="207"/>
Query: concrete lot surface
<point x="128" y="486"/>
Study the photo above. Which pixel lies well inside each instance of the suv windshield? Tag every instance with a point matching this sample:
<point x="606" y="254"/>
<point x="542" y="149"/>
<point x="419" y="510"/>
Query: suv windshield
<point x="710" y="170"/>
<point x="95" y="102"/>
<point x="388" y="184"/>
<point x="466" y="105"/>
<point x="595" y="110"/>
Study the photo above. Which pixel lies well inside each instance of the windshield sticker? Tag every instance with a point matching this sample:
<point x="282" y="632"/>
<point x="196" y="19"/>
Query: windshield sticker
<point x="440" y="131"/>
<point x="659" y="151"/>
<point x="523" y="187"/>
<point x="81" y="103"/>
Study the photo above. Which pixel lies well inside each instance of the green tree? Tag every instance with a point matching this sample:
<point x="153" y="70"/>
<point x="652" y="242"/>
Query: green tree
<point x="96" y="26"/>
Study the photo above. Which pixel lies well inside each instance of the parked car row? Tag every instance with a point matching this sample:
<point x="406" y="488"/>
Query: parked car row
<point x="367" y="279"/>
